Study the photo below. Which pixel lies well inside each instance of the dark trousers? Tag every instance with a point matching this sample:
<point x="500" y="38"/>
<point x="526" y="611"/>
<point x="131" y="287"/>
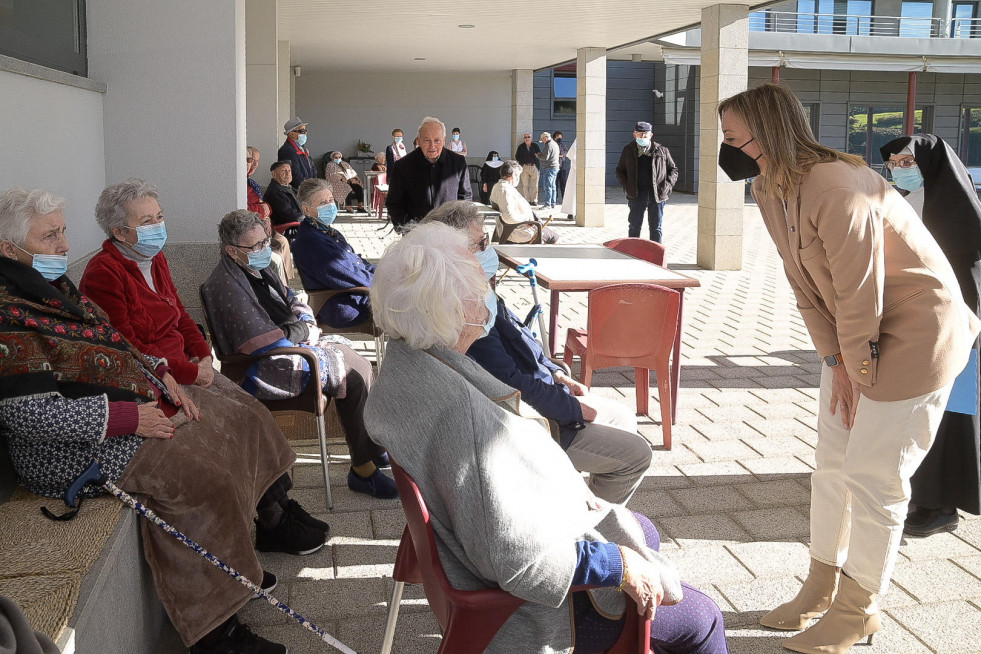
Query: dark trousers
<point x="563" y="177"/>
<point x="645" y="200"/>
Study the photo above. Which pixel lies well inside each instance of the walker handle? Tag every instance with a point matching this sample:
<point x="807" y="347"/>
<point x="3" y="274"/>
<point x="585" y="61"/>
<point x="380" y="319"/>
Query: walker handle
<point x="530" y="269"/>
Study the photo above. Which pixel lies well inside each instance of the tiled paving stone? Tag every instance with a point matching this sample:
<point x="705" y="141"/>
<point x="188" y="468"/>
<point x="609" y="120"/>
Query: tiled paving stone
<point x="782" y="492"/>
<point x="711" y="565"/>
<point x="938" y="546"/>
<point x="775" y="467"/>
<point x="947" y="628"/>
<point x="937" y="581"/>
<point x="709" y="498"/>
<point x="770" y="446"/>
<point x="774" y="523"/>
<point x="704" y="531"/>
<point x="655" y="504"/>
<point x="772" y="559"/>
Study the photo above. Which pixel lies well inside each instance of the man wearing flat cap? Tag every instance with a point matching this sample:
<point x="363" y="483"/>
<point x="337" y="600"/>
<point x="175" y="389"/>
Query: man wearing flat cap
<point x="295" y="151"/>
<point x="647" y="174"/>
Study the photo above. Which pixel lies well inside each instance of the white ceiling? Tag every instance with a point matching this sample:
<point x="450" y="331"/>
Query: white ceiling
<point x="387" y="35"/>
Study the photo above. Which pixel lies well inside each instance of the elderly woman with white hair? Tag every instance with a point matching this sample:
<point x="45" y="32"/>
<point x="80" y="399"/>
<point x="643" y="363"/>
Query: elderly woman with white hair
<point x="508" y="508"/>
<point x="344" y="181"/>
<point x="73" y="388"/>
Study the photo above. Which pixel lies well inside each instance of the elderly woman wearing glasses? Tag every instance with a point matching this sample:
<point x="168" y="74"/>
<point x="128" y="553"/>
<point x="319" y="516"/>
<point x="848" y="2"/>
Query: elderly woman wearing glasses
<point x="508" y="508"/>
<point x="251" y="312"/>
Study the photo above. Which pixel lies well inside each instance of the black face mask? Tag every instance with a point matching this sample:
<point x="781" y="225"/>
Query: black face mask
<point x="737" y="164"/>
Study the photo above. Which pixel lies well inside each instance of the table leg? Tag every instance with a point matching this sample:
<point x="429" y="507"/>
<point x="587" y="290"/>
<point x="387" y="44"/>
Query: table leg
<point x="676" y="358"/>
<point x="553" y="323"/>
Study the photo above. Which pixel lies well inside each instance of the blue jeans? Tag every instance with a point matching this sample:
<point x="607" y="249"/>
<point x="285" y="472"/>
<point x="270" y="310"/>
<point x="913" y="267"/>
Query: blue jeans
<point x="645" y="200"/>
<point x="548" y="183"/>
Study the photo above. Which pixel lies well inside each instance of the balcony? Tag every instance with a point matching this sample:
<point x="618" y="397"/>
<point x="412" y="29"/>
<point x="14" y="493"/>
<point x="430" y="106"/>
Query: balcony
<point x="863" y="25"/>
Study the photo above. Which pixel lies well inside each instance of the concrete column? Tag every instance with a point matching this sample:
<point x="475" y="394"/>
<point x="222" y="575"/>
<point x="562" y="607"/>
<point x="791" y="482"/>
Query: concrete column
<point x="261" y="82"/>
<point x="942" y="9"/>
<point x="522" y="105"/>
<point x="725" y="37"/>
<point x="590" y="136"/>
<point x="285" y="79"/>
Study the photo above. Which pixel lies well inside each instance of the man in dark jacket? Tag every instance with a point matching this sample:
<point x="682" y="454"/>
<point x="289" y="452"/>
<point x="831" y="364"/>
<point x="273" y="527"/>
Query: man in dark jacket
<point x="295" y="151"/>
<point x="598" y="435"/>
<point x="427" y="177"/>
<point x="280" y="195"/>
<point x="647" y="174"/>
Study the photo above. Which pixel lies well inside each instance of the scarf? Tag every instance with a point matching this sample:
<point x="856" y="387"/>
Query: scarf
<point x="255" y="186"/>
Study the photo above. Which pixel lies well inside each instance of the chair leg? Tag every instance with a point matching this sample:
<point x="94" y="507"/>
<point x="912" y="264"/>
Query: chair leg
<point x="642" y="382"/>
<point x="393" y="615"/>
<point x="585" y="373"/>
<point x="325" y="460"/>
<point x="664" y="395"/>
<point x="379" y="350"/>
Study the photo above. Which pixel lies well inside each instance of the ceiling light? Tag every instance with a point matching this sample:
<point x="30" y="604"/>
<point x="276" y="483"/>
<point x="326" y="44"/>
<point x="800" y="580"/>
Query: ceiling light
<point x="466" y="27"/>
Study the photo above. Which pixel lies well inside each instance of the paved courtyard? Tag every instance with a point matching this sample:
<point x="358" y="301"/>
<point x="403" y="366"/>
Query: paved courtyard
<point x="730" y="499"/>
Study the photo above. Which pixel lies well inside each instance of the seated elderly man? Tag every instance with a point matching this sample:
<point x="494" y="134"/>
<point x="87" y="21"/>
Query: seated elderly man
<point x="508" y="509"/>
<point x="344" y="182"/>
<point x="78" y="389"/>
<point x="514" y="207"/>
<point x="251" y="312"/>
<point x="130" y="280"/>
<point x="326" y="261"/>
<point x="282" y="259"/>
<point x="598" y="435"/>
<point x="280" y="196"/>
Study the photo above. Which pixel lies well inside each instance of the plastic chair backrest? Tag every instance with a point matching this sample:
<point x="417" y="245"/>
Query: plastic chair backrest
<point x="631" y="325"/>
<point x="379" y="179"/>
<point x="650" y="251"/>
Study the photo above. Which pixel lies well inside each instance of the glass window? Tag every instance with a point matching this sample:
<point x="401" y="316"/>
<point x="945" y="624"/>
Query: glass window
<point x="46" y="32"/>
<point x="869" y="128"/>
<point x="963" y="21"/>
<point x="563" y="93"/>
<point x="916" y="19"/>
<point x="970" y="150"/>
<point x="859" y="17"/>
<point x="813" y="112"/>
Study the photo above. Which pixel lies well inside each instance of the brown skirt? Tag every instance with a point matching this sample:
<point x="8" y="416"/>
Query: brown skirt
<point x="206" y="481"/>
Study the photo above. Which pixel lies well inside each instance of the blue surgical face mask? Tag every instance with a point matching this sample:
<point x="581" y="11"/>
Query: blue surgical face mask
<point x="398" y="139"/>
<point x="51" y="266"/>
<point x="326" y="213"/>
<point x="496" y="158"/>
<point x="643" y="142"/>
<point x="337" y="161"/>
<point x="908" y="179"/>
<point x="261" y="259"/>
<point x="490" y="301"/>
<point x="456" y="137"/>
<point x="150" y="239"/>
<point x="488" y="261"/>
<point x="301" y="139"/>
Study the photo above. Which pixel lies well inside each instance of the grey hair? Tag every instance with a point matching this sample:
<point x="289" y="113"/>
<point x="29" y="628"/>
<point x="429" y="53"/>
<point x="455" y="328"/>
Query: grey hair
<point x="429" y="120"/>
<point x="458" y="214"/>
<point x="336" y="152"/>
<point x="510" y="168"/>
<point x="18" y="206"/>
<point x="235" y="223"/>
<point x="546" y="136"/>
<point x="422" y="283"/>
<point x="250" y="150"/>
<point x="110" y="210"/>
<point x="309" y="188"/>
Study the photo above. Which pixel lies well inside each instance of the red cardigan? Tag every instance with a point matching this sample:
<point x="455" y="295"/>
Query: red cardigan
<point x="156" y="323"/>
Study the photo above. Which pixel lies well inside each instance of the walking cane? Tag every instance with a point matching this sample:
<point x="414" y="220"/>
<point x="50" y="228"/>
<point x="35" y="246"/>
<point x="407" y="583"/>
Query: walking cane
<point x="93" y="475"/>
<point x="528" y="269"/>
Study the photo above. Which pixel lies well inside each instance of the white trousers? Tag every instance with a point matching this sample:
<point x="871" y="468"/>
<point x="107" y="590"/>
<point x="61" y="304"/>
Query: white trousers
<point x="860" y="489"/>
<point x="528" y="183"/>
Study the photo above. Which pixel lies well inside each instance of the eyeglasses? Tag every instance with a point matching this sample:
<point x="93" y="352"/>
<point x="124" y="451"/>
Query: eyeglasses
<point x="482" y="244"/>
<point x="258" y="247"/>
<point x="301" y="131"/>
<point x="902" y="163"/>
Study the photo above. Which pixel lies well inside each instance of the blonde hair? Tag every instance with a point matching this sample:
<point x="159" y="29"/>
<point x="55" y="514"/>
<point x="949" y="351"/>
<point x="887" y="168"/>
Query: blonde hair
<point x="777" y="122"/>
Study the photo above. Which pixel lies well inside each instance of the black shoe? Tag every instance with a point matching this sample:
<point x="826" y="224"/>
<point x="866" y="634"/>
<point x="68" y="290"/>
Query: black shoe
<point x="236" y="638"/>
<point x="922" y="522"/>
<point x="291" y="536"/>
<point x="300" y="514"/>
<point x="377" y="485"/>
<point x="382" y="461"/>
<point x="268" y="583"/>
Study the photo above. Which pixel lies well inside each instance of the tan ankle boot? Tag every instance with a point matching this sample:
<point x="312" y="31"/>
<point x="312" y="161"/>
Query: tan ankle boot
<point x="854" y="614"/>
<point x="813" y="599"/>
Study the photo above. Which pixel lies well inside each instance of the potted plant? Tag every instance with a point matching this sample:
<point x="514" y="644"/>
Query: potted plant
<point x="364" y="149"/>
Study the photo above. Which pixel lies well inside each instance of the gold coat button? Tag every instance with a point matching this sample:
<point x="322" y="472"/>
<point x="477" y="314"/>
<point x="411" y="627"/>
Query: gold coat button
<point x="865" y="363"/>
<point x="865" y="371"/>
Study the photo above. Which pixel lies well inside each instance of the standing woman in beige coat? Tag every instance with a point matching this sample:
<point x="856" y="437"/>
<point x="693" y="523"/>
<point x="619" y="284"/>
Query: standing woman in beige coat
<point x="884" y="310"/>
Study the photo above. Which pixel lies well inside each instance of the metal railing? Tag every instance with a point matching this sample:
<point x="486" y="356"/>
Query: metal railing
<point x="855" y="25"/>
<point x="965" y="28"/>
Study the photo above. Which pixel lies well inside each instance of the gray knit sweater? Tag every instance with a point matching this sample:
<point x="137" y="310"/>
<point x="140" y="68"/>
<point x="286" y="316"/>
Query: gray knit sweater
<point x="506" y="504"/>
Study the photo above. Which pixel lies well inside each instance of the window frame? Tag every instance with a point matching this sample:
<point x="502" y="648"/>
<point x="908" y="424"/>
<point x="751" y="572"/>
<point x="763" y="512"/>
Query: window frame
<point x="565" y="74"/>
<point x="50" y="54"/>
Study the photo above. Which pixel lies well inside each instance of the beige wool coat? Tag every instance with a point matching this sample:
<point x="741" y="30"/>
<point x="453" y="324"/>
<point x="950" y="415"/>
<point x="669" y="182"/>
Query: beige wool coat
<point x="871" y="282"/>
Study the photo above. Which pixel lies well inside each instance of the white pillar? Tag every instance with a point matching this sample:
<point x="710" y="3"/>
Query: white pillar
<point x="263" y="126"/>
<point x="285" y="79"/>
<point x="725" y="37"/>
<point x="590" y="136"/>
<point x="942" y="9"/>
<point x="522" y="105"/>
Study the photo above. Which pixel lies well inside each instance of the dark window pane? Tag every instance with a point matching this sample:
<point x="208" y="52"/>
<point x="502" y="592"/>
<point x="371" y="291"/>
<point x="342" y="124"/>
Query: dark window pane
<point x="972" y="136"/>
<point x="858" y="130"/>
<point x="46" y="32"/>
<point x="564" y="107"/>
<point x="916" y="19"/>
<point x="564" y="87"/>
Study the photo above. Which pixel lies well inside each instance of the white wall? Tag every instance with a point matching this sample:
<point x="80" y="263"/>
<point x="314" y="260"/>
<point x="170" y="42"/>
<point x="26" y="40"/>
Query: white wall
<point x="53" y="139"/>
<point x="262" y="89"/>
<point x="344" y="107"/>
<point x="175" y="106"/>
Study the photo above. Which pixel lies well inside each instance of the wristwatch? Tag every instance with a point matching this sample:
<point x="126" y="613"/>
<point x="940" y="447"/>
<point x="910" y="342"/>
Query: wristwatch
<point x="832" y="360"/>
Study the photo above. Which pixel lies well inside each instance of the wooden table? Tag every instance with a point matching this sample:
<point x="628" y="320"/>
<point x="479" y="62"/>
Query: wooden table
<point x="577" y="268"/>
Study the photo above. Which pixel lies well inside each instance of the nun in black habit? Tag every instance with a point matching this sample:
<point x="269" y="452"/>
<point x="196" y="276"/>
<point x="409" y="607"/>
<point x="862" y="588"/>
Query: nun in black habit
<point x="939" y="187"/>
<point x="490" y="174"/>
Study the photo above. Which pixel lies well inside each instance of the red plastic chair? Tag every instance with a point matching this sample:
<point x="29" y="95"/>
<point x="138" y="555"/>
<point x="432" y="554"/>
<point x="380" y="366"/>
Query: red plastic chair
<point x="469" y="619"/>
<point x="650" y="251"/>
<point x="287" y="229"/>
<point x="378" y="197"/>
<point x="630" y="325"/>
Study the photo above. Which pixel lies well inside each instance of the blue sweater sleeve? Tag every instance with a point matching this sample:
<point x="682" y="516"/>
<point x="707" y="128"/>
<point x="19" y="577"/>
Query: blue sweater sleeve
<point x="599" y="564"/>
